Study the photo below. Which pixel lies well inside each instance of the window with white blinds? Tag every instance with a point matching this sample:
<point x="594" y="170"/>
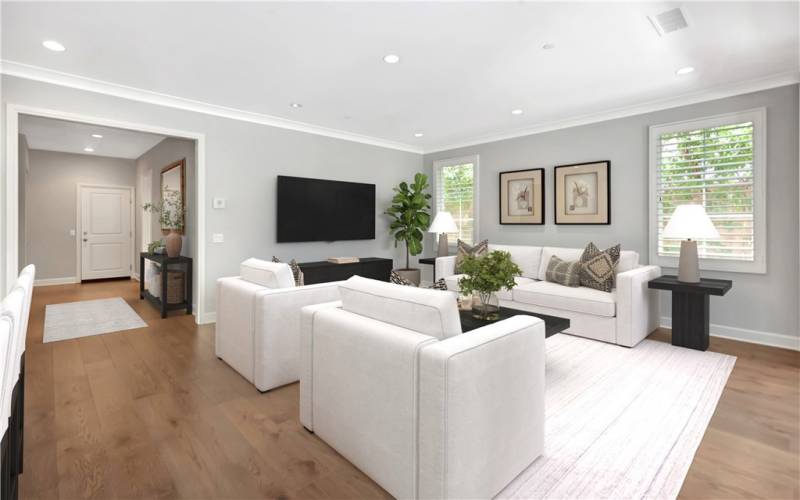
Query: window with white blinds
<point x="717" y="163"/>
<point x="455" y="184"/>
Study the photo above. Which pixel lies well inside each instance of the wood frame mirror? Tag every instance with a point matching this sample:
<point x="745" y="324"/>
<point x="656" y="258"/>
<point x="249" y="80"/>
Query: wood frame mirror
<point x="173" y="178"/>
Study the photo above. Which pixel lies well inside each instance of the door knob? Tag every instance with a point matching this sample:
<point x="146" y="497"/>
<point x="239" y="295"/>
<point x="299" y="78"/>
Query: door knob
<point x="85" y="239"/>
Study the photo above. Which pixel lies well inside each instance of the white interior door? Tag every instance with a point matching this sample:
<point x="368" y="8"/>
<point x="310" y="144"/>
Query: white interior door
<point x="106" y="232"/>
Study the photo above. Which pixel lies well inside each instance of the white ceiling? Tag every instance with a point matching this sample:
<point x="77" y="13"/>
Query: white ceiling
<point x="70" y="137"/>
<point x="464" y="66"/>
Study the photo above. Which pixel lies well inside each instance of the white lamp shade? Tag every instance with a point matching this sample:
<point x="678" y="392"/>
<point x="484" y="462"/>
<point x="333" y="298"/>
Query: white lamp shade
<point x="443" y="223"/>
<point x="690" y="222"/>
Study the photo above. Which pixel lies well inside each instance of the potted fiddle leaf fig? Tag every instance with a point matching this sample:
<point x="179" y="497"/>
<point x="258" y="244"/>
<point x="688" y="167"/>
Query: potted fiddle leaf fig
<point x="410" y="213"/>
<point x="485" y="276"/>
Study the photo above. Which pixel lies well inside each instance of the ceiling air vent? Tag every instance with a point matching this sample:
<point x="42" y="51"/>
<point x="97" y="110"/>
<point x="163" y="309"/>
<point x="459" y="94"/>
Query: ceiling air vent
<point x="668" y="21"/>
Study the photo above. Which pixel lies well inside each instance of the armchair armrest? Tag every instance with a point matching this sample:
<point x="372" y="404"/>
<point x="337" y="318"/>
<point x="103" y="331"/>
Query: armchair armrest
<point x="445" y="266"/>
<point x="481" y="409"/>
<point x="637" y="305"/>
<point x="307" y="315"/>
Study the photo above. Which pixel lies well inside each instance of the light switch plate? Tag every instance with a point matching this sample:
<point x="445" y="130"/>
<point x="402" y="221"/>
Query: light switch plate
<point x="219" y="203"/>
<point x="72" y="232"/>
<point x="218" y="238"/>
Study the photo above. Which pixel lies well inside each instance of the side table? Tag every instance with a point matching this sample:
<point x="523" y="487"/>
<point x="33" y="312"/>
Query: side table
<point x="431" y="261"/>
<point x="690" y="308"/>
<point x="162" y="303"/>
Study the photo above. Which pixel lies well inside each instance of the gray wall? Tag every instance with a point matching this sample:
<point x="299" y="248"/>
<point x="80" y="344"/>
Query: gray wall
<point x="242" y="162"/>
<point x="24" y="166"/>
<point x="52" y="204"/>
<point x="766" y="303"/>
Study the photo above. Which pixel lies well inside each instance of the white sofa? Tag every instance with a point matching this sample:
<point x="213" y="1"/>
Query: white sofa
<point x="258" y="321"/>
<point x="389" y="381"/>
<point x="625" y="316"/>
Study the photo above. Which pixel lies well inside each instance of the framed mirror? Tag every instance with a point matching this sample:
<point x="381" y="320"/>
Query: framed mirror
<point x="173" y="178"/>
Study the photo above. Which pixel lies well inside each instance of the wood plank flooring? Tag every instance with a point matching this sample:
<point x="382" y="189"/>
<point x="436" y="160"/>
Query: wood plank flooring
<point x="152" y="413"/>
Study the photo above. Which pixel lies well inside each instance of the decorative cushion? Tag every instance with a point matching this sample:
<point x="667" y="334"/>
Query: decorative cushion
<point x="440" y="284"/>
<point x="578" y="299"/>
<point x="419" y="309"/>
<point x="599" y="267"/>
<point x="299" y="279"/>
<point x="481" y="248"/>
<point x="399" y="280"/>
<point x="526" y="257"/>
<point x="563" y="272"/>
<point x="268" y="274"/>
<point x="628" y="260"/>
<point x="568" y="254"/>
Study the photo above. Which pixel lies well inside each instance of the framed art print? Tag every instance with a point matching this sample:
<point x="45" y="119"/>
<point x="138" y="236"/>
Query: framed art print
<point x="583" y="193"/>
<point x="522" y="196"/>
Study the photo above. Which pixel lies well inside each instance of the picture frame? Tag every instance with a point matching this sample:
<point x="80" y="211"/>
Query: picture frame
<point x="173" y="178"/>
<point x="582" y="193"/>
<point x="522" y="197"/>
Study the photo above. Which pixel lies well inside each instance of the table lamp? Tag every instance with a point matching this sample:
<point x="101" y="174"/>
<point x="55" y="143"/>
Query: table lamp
<point x="689" y="223"/>
<point x="443" y="223"/>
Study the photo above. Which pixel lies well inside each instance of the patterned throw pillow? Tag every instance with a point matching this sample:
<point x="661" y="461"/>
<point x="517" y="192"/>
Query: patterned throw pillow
<point x="299" y="279"/>
<point x="481" y="248"/>
<point x="598" y="268"/>
<point x="399" y="280"/>
<point x="563" y="272"/>
<point x="440" y="284"/>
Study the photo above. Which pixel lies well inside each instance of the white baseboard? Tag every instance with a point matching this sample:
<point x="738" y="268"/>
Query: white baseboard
<point x="135" y="276"/>
<point x="208" y="318"/>
<point x="745" y="335"/>
<point x="55" y="281"/>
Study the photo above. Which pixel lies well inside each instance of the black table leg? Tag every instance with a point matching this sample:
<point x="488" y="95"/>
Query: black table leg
<point x="189" y="287"/>
<point x="141" y="277"/>
<point x="164" y="290"/>
<point x="690" y="320"/>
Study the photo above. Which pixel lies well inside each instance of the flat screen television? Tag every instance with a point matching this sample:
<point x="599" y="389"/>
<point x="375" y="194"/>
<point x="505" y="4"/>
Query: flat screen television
<point x="324" y="210"/>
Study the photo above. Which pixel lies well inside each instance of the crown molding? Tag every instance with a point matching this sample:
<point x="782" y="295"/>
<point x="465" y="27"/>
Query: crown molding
<point x="37" y="73"/>
<point x="728" y="90"/>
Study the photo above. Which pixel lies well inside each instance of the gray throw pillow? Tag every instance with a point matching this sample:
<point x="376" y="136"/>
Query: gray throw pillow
<point x="563" y="272"/>
<point x="599" y="268"/>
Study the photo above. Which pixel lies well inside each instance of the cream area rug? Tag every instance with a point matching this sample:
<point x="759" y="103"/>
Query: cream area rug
<point x="620" y="422"/>
<point x="88" y="317"/>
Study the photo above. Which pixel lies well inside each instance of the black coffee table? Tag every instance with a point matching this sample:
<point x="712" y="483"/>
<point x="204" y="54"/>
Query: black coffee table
<point x="552" y="324"/>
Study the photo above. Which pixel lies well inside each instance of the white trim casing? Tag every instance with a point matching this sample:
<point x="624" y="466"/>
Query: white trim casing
<point x="475" y="160"/>
<point x="746" y="335"/>
<point x="79" y="226"/>
<point x="11" y="235"/>
<point x="56" y="281"/>
<point x="759" y="118"/>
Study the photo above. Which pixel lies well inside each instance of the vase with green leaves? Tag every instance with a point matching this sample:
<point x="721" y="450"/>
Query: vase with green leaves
<point x="485" y="276"/>
<point x="410" y="213"/>
<point x="171" y="214"/>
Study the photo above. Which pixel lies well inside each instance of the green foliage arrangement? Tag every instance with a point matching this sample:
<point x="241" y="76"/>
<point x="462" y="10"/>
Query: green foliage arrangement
<point x="488" y="274"/>
<point x="410" y="213"/>
<point x="170" y="210"/>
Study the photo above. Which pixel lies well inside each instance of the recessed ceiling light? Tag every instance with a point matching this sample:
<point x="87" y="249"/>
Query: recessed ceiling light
<point x="296" y="105"/>
<point x="549" y="46"/>
<point x="516" y="111"/>
<point x="418" y="134"/>
<point x="391" y="58"/>
<point x="97" y="136"/>
<point x="89" y="150"/>
<point x="54" y="46"/>
<point x="684" y="71"/>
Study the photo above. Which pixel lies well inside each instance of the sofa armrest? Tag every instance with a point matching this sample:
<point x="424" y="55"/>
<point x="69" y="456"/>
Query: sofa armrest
<point x="445" y="266"/>
<point x="277" y="323"/>
<point x="233" y="337"/>
<point x="307" y="315"/>
<point x="637" y="305"/>
<point x="481" y="409"/>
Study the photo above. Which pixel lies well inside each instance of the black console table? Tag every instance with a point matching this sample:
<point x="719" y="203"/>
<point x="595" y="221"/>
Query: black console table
<point x="690" y="306"/>
<point x="325" y="272"/>
<point x="162" y="260"/>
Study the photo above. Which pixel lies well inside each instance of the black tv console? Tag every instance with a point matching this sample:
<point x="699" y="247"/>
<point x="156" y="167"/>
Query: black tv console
<point x="324" y="271"/>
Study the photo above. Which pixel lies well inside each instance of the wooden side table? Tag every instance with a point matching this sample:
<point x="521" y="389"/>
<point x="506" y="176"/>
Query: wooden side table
<point x="690" y="308"/>
<point x="162" y="303"/>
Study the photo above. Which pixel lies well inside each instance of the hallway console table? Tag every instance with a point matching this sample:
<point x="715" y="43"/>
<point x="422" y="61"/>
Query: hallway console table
<point x="165" y="262"/>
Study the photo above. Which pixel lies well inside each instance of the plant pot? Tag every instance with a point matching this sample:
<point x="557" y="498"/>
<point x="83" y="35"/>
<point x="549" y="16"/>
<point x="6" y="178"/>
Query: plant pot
<point x="173" y="244"/>
<point x="411" y="275"/>
<point x="486" y="306"/>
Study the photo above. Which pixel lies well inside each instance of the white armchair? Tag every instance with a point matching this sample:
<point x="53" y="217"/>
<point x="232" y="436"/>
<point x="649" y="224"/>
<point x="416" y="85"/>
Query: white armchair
<point x="438" y="414"/>
<point x="258" y="322"/>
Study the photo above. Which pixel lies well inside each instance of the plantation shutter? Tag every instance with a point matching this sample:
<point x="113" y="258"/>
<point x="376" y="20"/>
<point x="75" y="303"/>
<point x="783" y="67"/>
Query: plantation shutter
<point x="712" y="167"/>
<point x="454" y="182"/>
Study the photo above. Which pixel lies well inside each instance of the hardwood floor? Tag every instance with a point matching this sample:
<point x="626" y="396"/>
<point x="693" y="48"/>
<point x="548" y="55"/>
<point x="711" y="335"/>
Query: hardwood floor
<point x="152" y="413"/>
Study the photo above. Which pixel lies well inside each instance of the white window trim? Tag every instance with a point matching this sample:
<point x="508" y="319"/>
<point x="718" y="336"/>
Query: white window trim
<point x="759" y="118"/>
<point x="474" y="159"/>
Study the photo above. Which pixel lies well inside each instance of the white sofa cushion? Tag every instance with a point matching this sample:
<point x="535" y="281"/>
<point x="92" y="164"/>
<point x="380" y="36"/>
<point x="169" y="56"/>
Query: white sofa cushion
<point x="268" y="274"/>
<point x="581" y="299"/>
<point x="628" y="260"/>
<point x="452" y="285"/>
<point x="526" y="257"/>
<point x="431" y="312"/>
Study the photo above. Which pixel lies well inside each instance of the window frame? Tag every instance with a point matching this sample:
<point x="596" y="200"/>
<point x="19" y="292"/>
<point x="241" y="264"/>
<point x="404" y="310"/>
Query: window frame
<point x="460" y="160"/>
<point x="758" y="117"/>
